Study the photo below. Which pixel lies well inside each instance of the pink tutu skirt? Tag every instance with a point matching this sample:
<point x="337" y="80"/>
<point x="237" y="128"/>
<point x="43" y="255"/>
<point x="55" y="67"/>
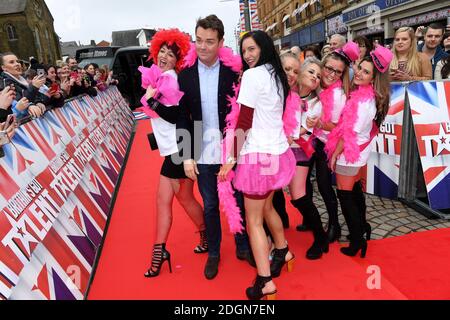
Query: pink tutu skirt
<point x="260" y="173"/>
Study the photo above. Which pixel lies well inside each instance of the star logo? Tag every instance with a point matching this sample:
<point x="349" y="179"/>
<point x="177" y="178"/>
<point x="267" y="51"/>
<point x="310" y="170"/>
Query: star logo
<point x="443" y="141"/>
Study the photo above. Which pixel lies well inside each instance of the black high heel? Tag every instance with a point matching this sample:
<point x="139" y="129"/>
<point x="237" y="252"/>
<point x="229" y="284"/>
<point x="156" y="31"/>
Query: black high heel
<point x="317" y="249"/>
<point x="353" y="249"/>
<point x="367" y="231"/>
<point x="279" y="260"/>
<point x="256" y="292"/>
<point x="203" y="246"/>
<point x="160" y="255"/>
<point x="333" y="233"/>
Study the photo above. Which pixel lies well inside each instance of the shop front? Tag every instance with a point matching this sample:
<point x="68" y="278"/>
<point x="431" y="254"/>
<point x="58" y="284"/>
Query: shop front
<point x="379" y="19"/>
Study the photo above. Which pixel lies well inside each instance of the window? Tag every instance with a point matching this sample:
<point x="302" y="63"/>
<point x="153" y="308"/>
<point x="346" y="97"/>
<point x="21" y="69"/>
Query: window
<point x="11" y="31"/>
<point x="308" y="11"/>
<point x="298" y="15"/>
<point x="317" y="7"/>
<point x="37" y="41"/>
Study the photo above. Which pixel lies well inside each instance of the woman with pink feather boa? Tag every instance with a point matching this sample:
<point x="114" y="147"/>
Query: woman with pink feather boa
<point x="349" y="144"/>
<point x="168" y="49"/>
<point x="265" y="162"/>
<point x="333" y="91"/>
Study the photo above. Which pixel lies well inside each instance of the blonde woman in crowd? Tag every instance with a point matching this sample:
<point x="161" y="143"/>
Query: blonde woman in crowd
<point x="408" y="64"/>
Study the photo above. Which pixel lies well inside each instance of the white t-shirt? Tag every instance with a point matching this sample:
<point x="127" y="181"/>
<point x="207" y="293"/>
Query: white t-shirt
<point x="363" y="126"/>
<point x="165" y="132"/>
<point x="314" y="109"/>
<point x="260" y="92"/>
<point x="339" y="100"/>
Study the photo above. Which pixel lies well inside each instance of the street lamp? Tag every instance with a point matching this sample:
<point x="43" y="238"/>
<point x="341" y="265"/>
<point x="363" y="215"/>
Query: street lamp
<point x="248" y="26"/>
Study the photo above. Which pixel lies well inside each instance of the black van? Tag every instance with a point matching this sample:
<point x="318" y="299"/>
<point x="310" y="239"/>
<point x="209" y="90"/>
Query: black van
<point x="124" y="62"/>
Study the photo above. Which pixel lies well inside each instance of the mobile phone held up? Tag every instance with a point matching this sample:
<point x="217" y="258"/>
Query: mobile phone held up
<point x="40" y="72"/>
<point x="54" y="87"/>
<point x="4" y="139"/>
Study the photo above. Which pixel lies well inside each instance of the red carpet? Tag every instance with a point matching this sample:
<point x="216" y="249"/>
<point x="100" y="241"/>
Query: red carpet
<point x="412" y="267"/>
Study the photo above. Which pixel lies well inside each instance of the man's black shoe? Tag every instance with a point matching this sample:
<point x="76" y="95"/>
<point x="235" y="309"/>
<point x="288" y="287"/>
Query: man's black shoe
<point x="212" y="267"/>
<point x="247" y="256"/>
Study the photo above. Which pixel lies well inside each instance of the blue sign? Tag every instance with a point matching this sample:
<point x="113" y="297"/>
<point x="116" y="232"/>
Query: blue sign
<point x="387" y="4"/>
<point x="359" y="12"/>
<point x="286" y="41"/>
<point x="318" y="32"/>
<point x="304" y="36"/>
<point x="294" y="39"/>
<point x="372" y="7"/>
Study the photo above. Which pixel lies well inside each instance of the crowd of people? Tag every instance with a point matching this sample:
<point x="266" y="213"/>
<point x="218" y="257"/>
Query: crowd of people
<point x="317" y="108"/>
<point x="287" y="113"/>
<point x="31" y="92"/>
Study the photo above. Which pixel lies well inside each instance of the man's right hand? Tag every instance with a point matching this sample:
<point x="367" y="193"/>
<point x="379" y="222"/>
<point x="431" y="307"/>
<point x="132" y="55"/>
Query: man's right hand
<point x="190" y="168"/>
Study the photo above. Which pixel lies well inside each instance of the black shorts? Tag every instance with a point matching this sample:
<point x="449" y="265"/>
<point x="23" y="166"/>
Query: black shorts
<point x="172" y="170"/>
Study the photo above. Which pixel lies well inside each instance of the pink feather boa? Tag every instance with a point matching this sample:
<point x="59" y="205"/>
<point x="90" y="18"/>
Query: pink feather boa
<point x="166" y="86"/>
<point x="229" y="205"/>
<point x="225" y="188"/>
<point x="226" y="56"/>
<point x="290" y="122"/>
<point x="327" y="99"/>
<point x="344" y="129"/>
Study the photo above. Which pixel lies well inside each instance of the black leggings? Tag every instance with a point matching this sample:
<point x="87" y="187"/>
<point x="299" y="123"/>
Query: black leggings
<point x="324" y="179"/>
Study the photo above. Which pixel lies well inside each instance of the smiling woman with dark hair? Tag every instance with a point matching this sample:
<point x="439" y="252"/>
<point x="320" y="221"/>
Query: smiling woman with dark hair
<point x="266" y="163"/>
<point x="168" y="49"/>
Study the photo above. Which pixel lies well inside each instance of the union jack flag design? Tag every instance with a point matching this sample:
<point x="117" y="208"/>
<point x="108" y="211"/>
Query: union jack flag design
<point x="382" y="170"/>
<point x="430" y="107"/>
<point x="55" y="197"/>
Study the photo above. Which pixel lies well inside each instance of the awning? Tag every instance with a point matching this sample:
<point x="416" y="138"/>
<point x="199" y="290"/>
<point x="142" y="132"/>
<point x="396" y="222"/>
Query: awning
<point x="300" y="9"/>
<point x="271" y="27"/>
<point x="285" y="18"/>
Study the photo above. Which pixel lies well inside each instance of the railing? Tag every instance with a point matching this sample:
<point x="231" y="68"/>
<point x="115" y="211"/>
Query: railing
<point x="58" y="179"/>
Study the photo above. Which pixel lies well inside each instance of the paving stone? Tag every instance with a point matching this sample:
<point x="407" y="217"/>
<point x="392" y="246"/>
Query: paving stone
<point x="403" y="229"/>
<point x="403" y="214"/>
<point x="395" y="223"/>
<point x="380" y="232"/>
<point x="403" y="220"/>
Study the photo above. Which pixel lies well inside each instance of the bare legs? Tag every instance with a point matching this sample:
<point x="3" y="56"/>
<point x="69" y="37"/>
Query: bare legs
<point x="256" y="212"/>
<point x="182" y="189"/>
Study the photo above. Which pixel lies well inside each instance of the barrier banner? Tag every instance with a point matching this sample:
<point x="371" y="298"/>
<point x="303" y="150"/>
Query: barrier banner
<point x="57" y="180"/>
<point x="382" y="170"/>
<point x="430" y="107"/>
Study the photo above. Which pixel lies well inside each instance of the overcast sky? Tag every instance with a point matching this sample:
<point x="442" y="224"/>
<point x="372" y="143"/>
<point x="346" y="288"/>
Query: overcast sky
<point x="85" y="20"/>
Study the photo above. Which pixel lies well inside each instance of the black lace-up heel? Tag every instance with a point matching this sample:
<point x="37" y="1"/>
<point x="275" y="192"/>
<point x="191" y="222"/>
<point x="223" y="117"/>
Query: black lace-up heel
<point x="160" y="254"/>
<point x="203" y="246"/>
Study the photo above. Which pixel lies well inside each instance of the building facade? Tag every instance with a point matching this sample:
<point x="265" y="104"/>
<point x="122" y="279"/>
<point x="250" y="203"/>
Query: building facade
<point x="26" y="28"/>
<point x="298" y="22"/>
<point x="305" y="22"/>
<point x="378" y="19"/>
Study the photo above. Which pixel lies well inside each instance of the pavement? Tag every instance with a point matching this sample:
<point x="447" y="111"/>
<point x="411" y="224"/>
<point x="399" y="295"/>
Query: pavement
<point x="388" y="218"/>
